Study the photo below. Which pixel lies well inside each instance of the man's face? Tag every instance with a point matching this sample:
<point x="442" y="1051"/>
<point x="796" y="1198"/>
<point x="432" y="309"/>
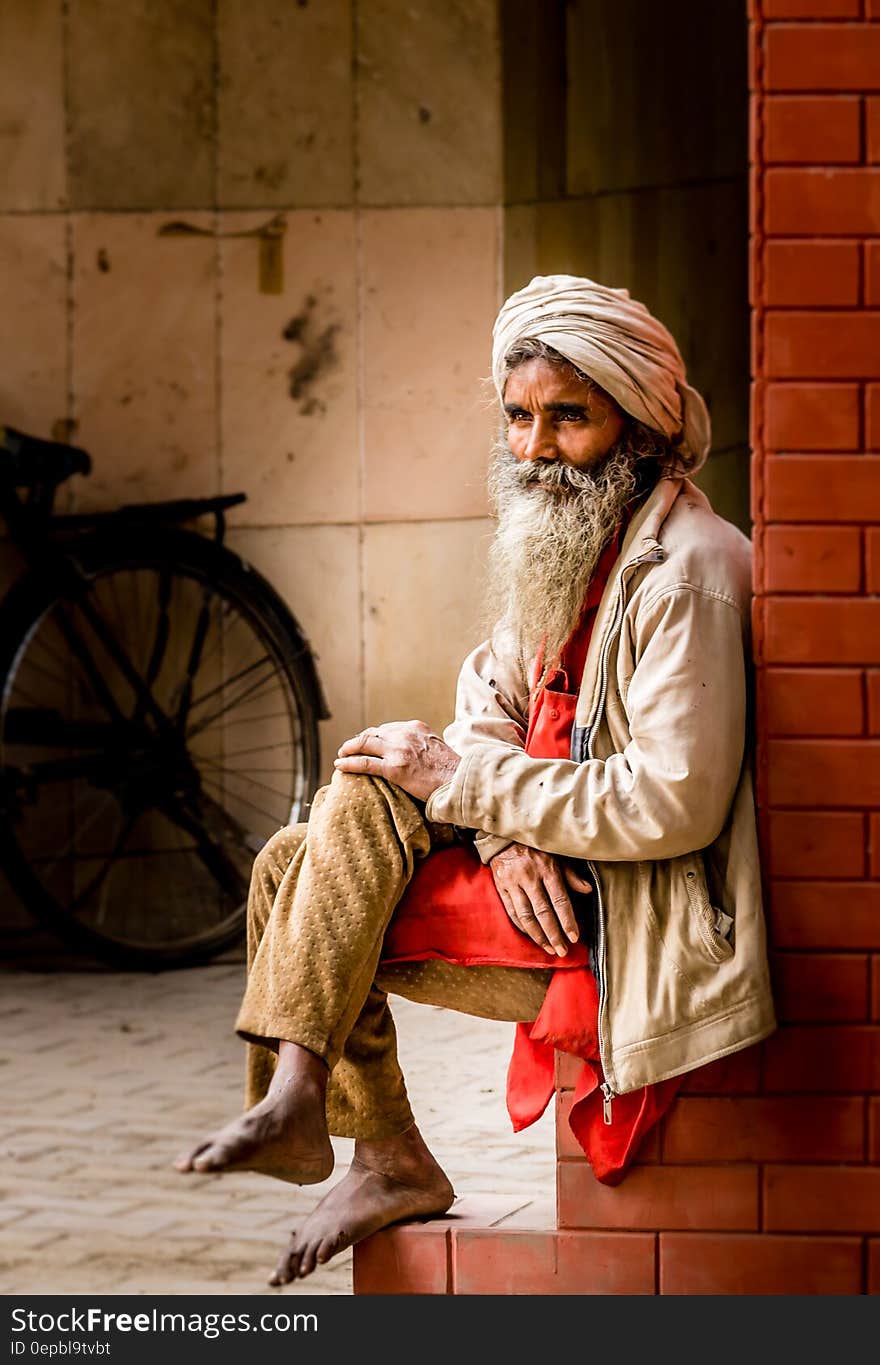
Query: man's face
<point x="552" y="415"/>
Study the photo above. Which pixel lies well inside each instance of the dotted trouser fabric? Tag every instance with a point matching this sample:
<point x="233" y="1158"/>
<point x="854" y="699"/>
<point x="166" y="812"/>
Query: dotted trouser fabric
<point x="321" y="896"/>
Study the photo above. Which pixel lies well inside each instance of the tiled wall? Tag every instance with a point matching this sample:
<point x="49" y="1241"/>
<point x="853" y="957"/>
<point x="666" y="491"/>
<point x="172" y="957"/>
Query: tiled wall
<point x="349" y="405"/>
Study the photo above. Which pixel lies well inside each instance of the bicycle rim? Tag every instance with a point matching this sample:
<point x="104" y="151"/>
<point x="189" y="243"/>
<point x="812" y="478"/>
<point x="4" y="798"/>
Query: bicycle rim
<point x="153" y="734"/>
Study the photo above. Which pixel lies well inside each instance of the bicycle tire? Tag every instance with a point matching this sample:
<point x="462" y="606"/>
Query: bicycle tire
<point x="86" y="756"/>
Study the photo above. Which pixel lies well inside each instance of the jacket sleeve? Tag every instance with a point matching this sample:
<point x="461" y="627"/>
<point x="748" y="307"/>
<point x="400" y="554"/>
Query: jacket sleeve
<point x="670" y="790"/>
<point x="491" y="709"/>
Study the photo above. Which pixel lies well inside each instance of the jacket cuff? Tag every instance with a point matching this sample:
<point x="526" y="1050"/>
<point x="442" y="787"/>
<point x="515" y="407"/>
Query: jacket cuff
<point x="487" y="845"/>
<point x="444" y="805"/>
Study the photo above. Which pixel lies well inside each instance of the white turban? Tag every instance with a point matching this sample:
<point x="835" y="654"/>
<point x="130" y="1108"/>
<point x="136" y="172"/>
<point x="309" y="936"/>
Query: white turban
<point x="614" y="340"/>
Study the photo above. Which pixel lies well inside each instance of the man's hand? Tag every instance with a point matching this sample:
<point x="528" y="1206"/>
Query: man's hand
<point x="534" y="887"/>
<point x="406" y="752"/>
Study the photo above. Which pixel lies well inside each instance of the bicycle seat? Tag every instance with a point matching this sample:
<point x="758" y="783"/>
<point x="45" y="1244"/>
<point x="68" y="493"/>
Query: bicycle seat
<point x="31" y="461"/>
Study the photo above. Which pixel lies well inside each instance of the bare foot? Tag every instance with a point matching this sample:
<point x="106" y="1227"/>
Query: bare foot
<point x="387" y="1182"/>
<point x="285" y="1135"/>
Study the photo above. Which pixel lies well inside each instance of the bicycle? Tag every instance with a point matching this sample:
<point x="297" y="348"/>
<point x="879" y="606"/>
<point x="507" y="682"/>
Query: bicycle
<point x="159" y="708"/>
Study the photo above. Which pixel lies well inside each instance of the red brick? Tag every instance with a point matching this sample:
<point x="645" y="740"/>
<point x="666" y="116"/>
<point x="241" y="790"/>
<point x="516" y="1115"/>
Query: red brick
<point x="822" y="488"/>
<point x="872" y="1285"/>
<point x="568" y="1068"/>
<point x="875" y="988"/>
<point x="838" y="202"/>
<point x="520" y="1261"/>
<point x="760" y="1129"/>
<point x="835" y="915"/>
<point x="834" y="345"/>
<point x="872" y="273"/>
<point x="872" y="9"/>
<point x="740" y="1263"/>
<point x="872" y="128"/>
<point x="821" y="844"/>
<point x="812" y="701"/>
<point x="812" y="417"/>
<point x="874" y="1131"/>
<point x="874" y="703"/>
<point x="652" y="1197"/>
<point x="827" y="1058"/>
<point x="874" y="845"/>
<point x="817" y="57"/>
<point x="819" y="773"/>
<point x="737" y="1074"/>
<point x="567" y="1144"/>
<point x="819" y="987"/>
<point x="872" y="559"/>
<point x="872" y="416"/>
<point x="410" y="1259"/>
<point x="824" y="129"/>
<point x="822" y="1199"/>
<point x="811" y="274"/>
<point x="812" y="9"/>
<point x="812" y="559"/>
<point x="842" y="630"/>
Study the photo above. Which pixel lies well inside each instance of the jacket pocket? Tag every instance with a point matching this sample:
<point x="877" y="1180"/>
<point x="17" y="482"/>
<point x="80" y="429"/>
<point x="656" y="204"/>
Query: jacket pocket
<point x="706" y="918"/>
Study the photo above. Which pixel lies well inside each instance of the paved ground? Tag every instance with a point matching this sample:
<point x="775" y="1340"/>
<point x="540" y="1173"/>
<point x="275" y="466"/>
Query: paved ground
<point x="108" y="1075"/>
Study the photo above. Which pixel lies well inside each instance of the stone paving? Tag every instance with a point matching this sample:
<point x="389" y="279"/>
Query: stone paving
<point x="108" y="1075"/>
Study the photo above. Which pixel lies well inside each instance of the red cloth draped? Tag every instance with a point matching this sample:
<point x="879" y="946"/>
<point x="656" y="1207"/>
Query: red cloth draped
<point x="452" y="910"/>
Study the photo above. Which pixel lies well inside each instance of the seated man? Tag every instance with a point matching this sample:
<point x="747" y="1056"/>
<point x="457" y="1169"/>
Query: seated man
<point x="578" y="853"/>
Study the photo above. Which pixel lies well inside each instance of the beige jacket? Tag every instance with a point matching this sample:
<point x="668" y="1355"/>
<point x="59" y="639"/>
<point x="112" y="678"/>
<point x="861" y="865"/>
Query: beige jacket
<point x="657" y="796"/>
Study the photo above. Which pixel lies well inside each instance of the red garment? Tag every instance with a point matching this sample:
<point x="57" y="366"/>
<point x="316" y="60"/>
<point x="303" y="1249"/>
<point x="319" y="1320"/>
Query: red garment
<point x="452" y="910"/>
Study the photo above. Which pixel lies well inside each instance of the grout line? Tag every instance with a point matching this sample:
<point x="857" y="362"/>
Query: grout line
<point x="219" y="260"/>
<point x="69" y="263"/>
<point x="360" y="385"/>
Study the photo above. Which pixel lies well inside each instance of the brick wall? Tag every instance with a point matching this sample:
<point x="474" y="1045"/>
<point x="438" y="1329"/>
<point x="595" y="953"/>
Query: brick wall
<point x="765" y="1176"/>
<point x="815" y="79"/>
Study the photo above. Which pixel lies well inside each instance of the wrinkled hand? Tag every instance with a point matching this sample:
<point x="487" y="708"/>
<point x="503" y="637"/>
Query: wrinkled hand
<point x="406" y="752"/>
<point x="534" y="887"/>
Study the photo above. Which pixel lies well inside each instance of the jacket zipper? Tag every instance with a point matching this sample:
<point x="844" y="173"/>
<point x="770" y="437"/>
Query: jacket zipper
<point x="651" y="556"/>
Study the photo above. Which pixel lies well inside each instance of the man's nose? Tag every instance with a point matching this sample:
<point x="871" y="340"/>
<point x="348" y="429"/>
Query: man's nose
<point x="541" y="444"/>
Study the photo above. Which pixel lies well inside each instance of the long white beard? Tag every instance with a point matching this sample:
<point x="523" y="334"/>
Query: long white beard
<point x="554" y="521"/>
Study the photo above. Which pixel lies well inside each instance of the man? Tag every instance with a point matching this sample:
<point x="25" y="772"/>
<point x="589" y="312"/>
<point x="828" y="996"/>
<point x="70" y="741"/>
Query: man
<point x="577" y="853"/>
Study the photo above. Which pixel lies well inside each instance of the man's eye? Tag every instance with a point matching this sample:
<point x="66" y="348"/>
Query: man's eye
<point x="518" y="416"/>
<point x="573" y="416"/>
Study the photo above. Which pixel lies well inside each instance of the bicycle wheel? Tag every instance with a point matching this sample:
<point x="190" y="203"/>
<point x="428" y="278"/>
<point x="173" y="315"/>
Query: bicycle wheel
<point x="158" y="722"/>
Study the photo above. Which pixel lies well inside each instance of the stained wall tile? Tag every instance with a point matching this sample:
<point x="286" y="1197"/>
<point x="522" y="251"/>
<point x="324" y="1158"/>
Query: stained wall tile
<point x="429" y="102"/>
<point x="33" y="334"/>
<point x="430" y="297"/>
<point x="142" y="104"/>
<point x="143" y="357"/>
<point x="32" y="170"/>
<point x="422" y="615"/>
<point x="288" y="378"/>
<point x="285" y="103"/>
<point x="316" y="571"/>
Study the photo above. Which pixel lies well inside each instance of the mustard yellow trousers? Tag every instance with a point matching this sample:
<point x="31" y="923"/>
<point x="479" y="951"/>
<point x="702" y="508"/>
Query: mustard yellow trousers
<point x="321" y="896"/>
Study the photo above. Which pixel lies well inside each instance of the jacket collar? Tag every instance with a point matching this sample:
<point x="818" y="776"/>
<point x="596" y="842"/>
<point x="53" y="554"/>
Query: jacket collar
<point x="644" y="528"/>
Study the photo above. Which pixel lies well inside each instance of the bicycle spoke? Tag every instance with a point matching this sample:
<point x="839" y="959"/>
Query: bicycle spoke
<point x="254" y="691"/>
<point x="271" y="815"/>
<point x="79" y="901"/>
<point x="212" y="854"/>
<point x="79" y="831"/>
<point x="243" y="775"/>
<point x="228" y="682"/>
